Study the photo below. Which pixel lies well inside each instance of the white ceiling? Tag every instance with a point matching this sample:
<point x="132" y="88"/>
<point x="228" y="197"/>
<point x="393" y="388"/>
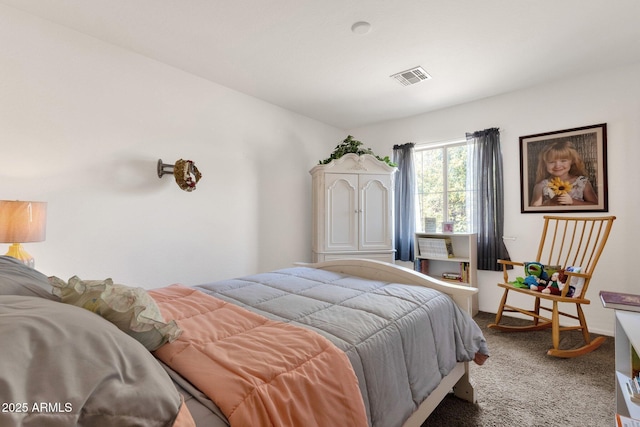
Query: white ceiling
<point x="302" y="55"/>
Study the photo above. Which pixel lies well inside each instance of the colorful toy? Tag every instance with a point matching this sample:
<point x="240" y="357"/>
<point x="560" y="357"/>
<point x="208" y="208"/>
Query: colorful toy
<point x="533" y="269"/>
<point x="532" y="282"/>
<point x="555" y="285"/>
<point x="526" y="282"/>
<point x="537" y="277"/>
<point x="519" y="283"/>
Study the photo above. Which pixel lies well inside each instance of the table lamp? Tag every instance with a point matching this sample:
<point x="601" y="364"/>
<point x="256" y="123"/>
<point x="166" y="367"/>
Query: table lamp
<point x="22" y="222"/>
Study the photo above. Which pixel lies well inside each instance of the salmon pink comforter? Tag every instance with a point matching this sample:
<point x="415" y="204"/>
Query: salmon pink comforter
<point x="260" y="372"/>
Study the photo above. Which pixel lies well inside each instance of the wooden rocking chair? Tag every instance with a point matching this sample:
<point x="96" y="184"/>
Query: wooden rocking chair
<point x="565" y="242"/>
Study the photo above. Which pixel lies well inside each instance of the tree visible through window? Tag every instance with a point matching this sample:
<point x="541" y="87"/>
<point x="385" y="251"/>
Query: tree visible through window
<point x="443" y="189"/>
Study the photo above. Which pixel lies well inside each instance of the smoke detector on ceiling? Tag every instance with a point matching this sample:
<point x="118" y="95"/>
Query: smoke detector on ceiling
<point x="411" y="76"/>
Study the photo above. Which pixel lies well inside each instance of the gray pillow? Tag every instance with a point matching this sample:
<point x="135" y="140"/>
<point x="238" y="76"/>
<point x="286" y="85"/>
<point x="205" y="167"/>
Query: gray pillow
<point x="19" y="279"/>
<point x="64" y="354"/>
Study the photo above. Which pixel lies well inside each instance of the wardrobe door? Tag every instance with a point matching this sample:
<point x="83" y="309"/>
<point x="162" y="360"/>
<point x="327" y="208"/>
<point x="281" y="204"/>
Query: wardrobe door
<point x="342" y="208"/>
<point x="375" y="212"/>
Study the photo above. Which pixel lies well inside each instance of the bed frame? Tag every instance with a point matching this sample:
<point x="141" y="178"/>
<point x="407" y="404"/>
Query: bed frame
<point x="458" y="379"/>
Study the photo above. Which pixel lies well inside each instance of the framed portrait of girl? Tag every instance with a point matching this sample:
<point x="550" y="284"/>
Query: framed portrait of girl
<point x="564" y="171"/>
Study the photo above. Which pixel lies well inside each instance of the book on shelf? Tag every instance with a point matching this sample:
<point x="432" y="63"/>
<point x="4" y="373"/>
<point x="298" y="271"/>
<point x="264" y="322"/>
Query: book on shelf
<point x="452" y="276"/>
<point x="620" y="301"/>
<point x="462" y="275"/>
<point x="421" y="265"/>
<point x="449" y="245"/>
<point x="464" y="272"/>
<point x="633" y="387"/>
<point x="436" y="247"/>
<point x="622" y="421"/>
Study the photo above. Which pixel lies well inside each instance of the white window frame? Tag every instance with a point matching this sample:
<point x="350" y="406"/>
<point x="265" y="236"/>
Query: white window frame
<point x="443" y="145"/>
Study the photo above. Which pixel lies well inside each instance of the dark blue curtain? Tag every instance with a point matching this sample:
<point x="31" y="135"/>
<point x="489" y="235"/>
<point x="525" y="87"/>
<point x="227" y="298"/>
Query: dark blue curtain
<point x="488" y="207"/>
<point x="405" y="193"/>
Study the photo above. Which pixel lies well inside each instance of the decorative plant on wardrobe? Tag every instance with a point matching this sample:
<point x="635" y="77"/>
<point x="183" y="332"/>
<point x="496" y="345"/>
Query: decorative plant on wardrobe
<point x="354" y="146"/>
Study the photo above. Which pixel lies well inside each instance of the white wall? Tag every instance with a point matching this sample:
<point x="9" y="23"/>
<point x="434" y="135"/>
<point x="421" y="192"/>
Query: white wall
<point x="611" y="97"/>
<point x="82" y="125"/>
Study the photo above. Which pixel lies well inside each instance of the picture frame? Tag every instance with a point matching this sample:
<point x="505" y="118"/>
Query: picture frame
<point x="564" y="171"/>
<point x="429" y="224"/>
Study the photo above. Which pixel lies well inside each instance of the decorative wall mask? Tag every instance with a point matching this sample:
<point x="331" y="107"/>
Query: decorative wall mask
<point x="185" y="172"/>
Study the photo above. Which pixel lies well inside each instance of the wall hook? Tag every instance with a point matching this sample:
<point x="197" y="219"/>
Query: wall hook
<point x="164" y="168"/>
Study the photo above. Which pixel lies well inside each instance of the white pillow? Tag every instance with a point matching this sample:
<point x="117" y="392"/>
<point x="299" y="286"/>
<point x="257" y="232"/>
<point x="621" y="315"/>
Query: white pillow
<point x="132" y="310"/>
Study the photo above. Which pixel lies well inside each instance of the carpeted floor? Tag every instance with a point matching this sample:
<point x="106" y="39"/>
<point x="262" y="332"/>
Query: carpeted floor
<point x="520" y="385"/>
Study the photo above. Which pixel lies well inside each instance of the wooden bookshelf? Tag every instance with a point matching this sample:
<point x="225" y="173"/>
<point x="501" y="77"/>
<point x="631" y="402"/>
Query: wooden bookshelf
<point x="461" y="259"/>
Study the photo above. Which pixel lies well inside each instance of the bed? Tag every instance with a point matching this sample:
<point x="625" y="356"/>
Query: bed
<point x="386" y="345"/>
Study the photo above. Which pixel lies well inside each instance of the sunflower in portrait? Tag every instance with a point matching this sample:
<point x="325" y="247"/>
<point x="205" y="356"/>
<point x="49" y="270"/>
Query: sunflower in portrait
<point x="559" y="186"/>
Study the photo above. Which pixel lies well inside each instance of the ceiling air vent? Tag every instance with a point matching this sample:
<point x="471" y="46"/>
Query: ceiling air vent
<point x="411" y="76"/>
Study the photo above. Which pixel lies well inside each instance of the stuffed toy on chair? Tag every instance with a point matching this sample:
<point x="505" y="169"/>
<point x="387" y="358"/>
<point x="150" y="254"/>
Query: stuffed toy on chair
<point x="526" y="282"/>
<point x="537" y="277"/>
<point x="555" y="285"/>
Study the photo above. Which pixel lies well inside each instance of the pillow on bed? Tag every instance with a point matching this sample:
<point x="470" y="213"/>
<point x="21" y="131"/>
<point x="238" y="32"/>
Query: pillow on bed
<point x="19" y="279"/>
<point x="96" y="375"/>
<point x="130" y="309"/>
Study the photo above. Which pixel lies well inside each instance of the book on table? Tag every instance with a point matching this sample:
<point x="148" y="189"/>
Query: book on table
<point x="620" y="301"/>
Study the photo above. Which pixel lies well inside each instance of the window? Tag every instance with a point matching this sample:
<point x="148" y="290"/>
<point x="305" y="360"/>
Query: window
<point x="443" y="185"/>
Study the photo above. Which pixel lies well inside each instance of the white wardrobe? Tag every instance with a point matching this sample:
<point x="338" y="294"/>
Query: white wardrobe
<point x="353" y="209"/>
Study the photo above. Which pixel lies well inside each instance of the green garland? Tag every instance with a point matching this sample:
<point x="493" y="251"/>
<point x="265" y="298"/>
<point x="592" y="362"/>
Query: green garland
<point x="351" y="145"/>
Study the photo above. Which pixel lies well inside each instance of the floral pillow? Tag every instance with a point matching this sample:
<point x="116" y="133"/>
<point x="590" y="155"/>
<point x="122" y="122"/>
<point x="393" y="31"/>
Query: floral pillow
<point x="132" y="310"/>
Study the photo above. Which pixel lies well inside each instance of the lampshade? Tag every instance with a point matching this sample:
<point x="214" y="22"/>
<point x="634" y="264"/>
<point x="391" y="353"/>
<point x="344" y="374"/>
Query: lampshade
<point x="22" y="222"/>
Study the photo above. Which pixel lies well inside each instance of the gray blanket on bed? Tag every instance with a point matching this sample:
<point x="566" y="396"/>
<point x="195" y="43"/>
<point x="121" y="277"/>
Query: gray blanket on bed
<point x="401" y="340"/>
